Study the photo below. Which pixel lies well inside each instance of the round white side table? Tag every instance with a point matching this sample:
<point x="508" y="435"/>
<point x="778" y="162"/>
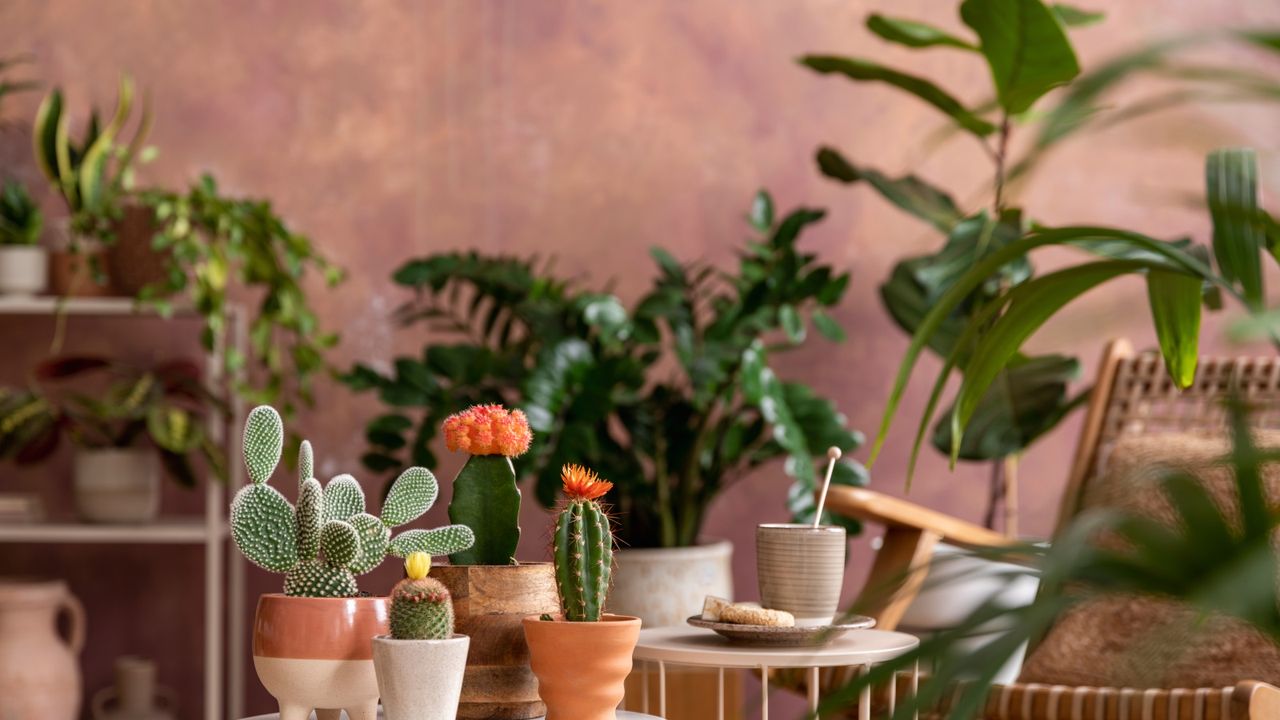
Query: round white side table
<point x="692" y="646"/>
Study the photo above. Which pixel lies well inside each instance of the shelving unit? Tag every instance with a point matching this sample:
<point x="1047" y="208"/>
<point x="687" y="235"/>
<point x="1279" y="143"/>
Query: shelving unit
<point x="224" y="652"/>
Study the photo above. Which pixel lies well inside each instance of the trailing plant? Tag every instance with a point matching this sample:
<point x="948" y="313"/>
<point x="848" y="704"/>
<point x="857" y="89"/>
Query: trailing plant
<point x="674" y="397"/>
<point x="94" y="175"/>
<point x="323" y="543"/>
<point x="21" y="221"/>
<point x="583" y="546"/>
<point x="421" y="608"/>
<point x="164" y="406"/>
<point x="486" y="497"/>
<point x="1026" y="395"/>
<point x="217" y="245"/>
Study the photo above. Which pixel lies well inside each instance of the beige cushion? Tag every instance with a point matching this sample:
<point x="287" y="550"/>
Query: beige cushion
<point x="1131" y="641"/>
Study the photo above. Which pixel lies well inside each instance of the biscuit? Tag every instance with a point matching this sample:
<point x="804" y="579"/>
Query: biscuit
<point x="745" y="615"/>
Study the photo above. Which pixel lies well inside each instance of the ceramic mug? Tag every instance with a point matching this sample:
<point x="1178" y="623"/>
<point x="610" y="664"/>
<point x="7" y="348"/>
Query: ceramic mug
<point x="801" y="570"/>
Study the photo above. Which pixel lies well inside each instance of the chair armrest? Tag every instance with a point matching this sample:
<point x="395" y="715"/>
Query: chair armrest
<point x="873" y="507"/>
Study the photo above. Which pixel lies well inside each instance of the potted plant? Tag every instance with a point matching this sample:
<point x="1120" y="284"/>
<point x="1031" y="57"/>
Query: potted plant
<point x="24" y="265"/>
<point x="497" y="590"/>
<point x="312" y="644"/>
<point x="596" y="380"/>
<point x="93" y="178"/>
<point x="582" y="657"/>
<point x="145" y="419"/>
<point x="421" y="662"/>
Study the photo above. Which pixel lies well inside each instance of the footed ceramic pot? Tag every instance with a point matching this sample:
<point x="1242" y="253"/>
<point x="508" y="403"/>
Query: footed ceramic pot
<point x="582" y="667"/>
<point x="420" y="679"/>
<point x="317" y="654"/>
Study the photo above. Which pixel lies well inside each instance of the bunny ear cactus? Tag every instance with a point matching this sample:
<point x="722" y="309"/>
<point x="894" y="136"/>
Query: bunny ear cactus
<point x="486" y="497"/>
<point x="323" y="543"/>
<point x="583" y="549"/>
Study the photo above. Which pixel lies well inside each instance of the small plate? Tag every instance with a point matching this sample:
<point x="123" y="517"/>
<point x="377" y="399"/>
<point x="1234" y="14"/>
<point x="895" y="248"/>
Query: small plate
<point x="770" y="636"/>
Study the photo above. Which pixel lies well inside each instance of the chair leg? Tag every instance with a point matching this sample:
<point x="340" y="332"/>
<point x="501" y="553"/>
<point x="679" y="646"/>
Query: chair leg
<point x="897" y="574"/>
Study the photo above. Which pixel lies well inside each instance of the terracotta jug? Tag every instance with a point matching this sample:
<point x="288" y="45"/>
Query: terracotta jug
<point x="39" y="677"/>
<point x="135" y="694"/>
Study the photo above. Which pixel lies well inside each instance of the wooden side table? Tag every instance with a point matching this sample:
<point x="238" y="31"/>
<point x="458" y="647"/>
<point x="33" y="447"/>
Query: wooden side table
<point x="692" y="646"/>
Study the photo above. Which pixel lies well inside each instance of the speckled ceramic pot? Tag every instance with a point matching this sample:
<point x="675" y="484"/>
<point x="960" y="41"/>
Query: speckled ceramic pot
<point x="582" y="666"/>
<point x="663" y="586"/>
<point x="317" y="654"/>
<point x="420" y="679"/>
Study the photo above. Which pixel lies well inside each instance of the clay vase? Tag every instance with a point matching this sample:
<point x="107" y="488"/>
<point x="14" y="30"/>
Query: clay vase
<point x="317" y="654"/>
<point x="582" y="667"/>
<point x="39" y="677"/>
<point x="135" y="694"/>
<point x="420" y="679"/>
<point x="71" y="274"/>
<point x="489" y="604"/>
<point x="132" y="263"/>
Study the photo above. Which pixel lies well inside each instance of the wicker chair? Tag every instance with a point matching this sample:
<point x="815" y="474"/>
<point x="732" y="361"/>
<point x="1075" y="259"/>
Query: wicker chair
<point x="1132" y="395"/>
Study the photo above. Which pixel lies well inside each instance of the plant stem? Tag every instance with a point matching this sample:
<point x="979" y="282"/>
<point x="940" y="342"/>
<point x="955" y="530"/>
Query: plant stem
<point x="1002" y="153"/>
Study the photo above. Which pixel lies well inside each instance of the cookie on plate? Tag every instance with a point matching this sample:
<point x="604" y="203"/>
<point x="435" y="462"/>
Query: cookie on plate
<point x="746" y="615"/>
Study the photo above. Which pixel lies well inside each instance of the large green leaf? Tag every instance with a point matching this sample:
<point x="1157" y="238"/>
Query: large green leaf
<point x="868" y="71"/>
<point x="909" y="192"/>
<point x="1231" y="183"/>
<point x="1025" y="46"/>
<point x="1072" y="16"/>
<point x="763" y="389"/>
<point x="914" y="34"/>
<point x="1175" y="309"/>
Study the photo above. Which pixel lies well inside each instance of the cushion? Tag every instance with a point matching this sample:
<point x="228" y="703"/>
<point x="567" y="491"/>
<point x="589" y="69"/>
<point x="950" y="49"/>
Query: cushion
<point x="1140" y="641"/>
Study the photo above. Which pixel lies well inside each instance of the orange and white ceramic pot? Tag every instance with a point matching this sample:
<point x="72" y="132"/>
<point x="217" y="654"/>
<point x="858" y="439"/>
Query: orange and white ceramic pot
<point x="582" y="667"/>
<point x="317" y="654"/>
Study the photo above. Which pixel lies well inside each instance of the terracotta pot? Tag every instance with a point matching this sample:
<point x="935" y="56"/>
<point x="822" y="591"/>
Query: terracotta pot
<point x="71" y="274"/>
<point x="132" y="263"/>
<point x="420" y="679"/>
<point x="317" y="654"/>
<point x="489" y="604"/>
<point x="39" y="677"/>
<point x="116" y="485"/>
<point x="24" y="270"/>
<point x="582" y="666"/>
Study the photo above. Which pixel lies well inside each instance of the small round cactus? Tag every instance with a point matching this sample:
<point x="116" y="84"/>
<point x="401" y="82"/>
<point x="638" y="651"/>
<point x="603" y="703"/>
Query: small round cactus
<point x="421" y="608"/>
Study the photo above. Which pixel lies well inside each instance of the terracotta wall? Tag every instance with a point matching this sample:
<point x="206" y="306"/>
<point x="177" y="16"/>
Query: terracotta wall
<point x="588" y="131"/>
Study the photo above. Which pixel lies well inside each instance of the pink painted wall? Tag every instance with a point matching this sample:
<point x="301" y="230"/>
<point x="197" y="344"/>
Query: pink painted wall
<point x="588" y="131"/>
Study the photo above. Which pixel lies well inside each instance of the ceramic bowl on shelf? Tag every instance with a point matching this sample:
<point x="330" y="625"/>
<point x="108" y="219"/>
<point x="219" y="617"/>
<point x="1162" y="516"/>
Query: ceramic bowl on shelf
<point x="773" y="636"/>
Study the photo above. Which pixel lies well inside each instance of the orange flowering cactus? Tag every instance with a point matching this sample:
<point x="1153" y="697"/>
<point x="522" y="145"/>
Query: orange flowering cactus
<point x="583" y="547"/>
<point x="485" y="492"/>
<point x="583" y="484"/>
<point x="488" y="430"/>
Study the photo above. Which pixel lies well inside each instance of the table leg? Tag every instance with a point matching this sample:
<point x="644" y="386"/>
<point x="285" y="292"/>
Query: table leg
<point x="644" y="690"/>
<point x="662" y="689"/>
<point x="864" y="698"/>
<point x="893" y="695"/>
<point x="915" y="688"/>
<point x="720" y="695"/>
<point x="764" y="692"/>
<point x="814" y="679"/>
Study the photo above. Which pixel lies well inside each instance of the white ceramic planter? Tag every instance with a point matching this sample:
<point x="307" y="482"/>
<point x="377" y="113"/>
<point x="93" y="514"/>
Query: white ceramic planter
<point x="957" y="584"/>
<point x="664" y="586"/>
<point x="420" y="679"/>
<point x="24" y="270"/>
<point x="117" y="485"/>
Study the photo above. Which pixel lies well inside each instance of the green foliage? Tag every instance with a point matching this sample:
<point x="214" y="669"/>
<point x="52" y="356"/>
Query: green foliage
<point x="217" y="246"/>
<point x="421" y="609"/>
<point x="94" y="175"/>
<point x="21" y="221"/>
<point x="595" y="377"/>
<point x="165" y="406"/>
<point x="9" y="86"/>
<point x="487" y="499"/>
<point x="327" y="540"/>
<point x="977" y="323"/>
<point x="583" y="556"/>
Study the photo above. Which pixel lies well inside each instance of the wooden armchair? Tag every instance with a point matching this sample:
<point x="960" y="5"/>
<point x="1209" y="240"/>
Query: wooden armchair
<point x="1132" y="395"/>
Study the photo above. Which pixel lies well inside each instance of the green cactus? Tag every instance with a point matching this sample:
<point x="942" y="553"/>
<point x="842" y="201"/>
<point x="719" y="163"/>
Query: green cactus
<point x="323" y="543"/>
<point x="583" y="559"/>
<point x="486" y="499"/>
<point x="421" y="608"/>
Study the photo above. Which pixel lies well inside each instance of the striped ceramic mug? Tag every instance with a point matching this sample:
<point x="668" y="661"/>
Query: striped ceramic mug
<point x="801" y="570"/>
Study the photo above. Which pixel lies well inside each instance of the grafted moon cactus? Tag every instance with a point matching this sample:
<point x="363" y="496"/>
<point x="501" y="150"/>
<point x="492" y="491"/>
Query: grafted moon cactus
<point x="486" y="497"/>
<point x="323" y="543"/>
<point x="583" y="547"/>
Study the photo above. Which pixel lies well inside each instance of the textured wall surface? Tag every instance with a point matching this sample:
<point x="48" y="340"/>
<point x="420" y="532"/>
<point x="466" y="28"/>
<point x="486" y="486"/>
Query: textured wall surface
<point x="587" y="131"/>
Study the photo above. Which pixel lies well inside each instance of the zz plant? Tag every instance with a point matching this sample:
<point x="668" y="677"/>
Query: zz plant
<point x="323" y="543"/>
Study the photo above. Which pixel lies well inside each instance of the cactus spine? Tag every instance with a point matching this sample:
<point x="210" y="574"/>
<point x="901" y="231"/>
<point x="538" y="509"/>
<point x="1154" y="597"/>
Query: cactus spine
<point x="583" y="549"/>
<point x="421" y="608"/>
<point x="323" y="543"/>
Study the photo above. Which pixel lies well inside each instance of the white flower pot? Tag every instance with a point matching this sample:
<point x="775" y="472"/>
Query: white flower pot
<point x="664" y="586"/>
<point x="117" y="485"/>
<point x="420" y="679"/>
<point x="24" y="270"/>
